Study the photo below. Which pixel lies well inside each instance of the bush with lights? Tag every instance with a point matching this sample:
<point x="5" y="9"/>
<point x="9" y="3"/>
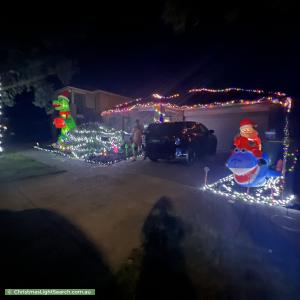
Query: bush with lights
<point x="92" y="141"/>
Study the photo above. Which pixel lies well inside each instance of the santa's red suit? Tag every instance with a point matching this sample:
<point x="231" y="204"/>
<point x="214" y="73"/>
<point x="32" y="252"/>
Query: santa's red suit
<point x="248" y="138"/>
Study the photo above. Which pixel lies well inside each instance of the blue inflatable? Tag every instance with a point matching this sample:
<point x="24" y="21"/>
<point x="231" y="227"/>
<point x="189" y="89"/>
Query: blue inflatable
<point x="248" y="170"/>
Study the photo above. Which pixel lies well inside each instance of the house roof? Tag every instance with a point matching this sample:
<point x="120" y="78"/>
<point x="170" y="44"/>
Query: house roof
<point x="79" y="90"/>
<point x="110" y="93"/>
<point x="84" y="91"/>
<point x="198" y="98"/>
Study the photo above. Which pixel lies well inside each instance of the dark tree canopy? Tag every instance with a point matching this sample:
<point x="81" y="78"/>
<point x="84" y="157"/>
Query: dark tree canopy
<point x="193" y="14"/>
<point x="37" y="73"/>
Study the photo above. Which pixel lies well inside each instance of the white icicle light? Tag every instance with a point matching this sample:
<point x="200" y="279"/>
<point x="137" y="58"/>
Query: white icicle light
<point x="269" y="194"/>
<point x="2" y="127"/>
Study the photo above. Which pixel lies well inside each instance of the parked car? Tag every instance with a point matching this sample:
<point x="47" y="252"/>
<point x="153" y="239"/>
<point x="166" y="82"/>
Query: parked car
<point x="179" y="140"/>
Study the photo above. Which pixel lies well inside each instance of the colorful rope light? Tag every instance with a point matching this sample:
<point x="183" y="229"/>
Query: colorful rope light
<point x="195" y="106"/>
<point x="273" y="97"/>
<point x="227" y="90"/>
<point x="158" y="96"/>
<point x="127" y="103"/>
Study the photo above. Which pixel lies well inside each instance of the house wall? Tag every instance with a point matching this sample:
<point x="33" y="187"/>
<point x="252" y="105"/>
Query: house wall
<point x="86" y="106"/>
<point x="126" y="120"/>
<point x="105" y="100"/>
<point x="225" y="121"/>
<point x="174" y="116"/>
<point x="90" y="101"/>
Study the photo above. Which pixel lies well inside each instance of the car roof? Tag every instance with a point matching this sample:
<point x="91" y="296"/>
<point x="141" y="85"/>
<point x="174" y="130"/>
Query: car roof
<point x="179" y="122"/>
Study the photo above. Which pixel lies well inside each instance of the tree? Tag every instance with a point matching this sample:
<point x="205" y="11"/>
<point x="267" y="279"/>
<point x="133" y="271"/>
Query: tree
<point x="189" y="15"/>
<point x="37" y="73"/>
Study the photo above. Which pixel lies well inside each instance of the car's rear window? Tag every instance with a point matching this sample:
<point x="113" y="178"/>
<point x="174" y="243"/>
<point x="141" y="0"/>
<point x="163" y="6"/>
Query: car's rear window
<point x="167" y="128"/>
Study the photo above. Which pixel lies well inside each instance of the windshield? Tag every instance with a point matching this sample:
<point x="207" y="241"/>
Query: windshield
<point x="168" y="128"/>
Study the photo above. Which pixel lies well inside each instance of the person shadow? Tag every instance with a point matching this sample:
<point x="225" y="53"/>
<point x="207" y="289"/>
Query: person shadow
<point x="163" y="274"/>
<point x="41" y="249"/>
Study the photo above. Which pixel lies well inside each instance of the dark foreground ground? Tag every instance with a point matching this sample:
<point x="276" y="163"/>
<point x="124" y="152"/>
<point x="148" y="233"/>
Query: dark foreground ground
<point x="140" y="230"/>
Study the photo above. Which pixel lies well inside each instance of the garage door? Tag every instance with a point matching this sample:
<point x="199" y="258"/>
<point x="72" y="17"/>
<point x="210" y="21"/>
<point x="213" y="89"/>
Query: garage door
<point x="225" y="121"/>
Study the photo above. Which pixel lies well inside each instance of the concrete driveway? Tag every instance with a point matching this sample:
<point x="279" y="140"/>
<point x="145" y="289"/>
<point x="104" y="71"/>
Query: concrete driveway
<point x="152" y="219"/>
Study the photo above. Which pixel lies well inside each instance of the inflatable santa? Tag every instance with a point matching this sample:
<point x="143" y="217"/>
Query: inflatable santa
<point x="248" y="138"/>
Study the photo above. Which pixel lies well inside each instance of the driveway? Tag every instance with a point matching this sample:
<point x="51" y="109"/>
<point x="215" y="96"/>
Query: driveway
<point x="151" y="220"/>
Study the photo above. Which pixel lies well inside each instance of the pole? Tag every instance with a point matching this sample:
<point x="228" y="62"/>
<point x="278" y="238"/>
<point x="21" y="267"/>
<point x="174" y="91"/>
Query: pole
<point x="206" y="170"/>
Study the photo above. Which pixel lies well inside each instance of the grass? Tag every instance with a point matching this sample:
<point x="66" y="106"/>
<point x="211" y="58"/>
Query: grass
<point x="15" y="166"/>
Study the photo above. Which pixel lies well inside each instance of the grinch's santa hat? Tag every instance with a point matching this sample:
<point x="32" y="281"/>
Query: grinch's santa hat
<point x="247" y="123"/>
<point x="65" y="94"/>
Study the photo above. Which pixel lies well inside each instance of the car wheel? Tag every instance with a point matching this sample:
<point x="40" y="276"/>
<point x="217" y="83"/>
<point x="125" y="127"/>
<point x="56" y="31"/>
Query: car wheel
<point x="152" y="158"/>
<point x="191" y="156"/>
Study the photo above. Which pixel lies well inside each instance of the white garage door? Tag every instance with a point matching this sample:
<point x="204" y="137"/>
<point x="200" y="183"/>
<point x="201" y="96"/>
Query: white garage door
<point x="225" y="121"/>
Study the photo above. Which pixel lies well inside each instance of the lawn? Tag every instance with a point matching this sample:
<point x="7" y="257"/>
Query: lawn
<point x="15" y="166"/>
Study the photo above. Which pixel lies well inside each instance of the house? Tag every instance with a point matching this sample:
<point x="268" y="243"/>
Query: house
<point x="86" y="105"/>
<point x="147" y="110"/>
<point x="219" y="110"/>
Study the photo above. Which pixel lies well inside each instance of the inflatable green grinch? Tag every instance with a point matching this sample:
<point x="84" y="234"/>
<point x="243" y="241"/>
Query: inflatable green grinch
<point x="65" y="121"/>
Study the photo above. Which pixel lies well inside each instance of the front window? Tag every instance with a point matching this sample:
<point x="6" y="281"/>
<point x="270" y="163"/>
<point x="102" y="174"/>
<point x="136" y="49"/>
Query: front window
<point x="79" y="100"/>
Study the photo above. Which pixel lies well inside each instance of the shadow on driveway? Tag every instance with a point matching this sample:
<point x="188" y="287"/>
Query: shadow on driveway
<point x="163" y="273"/>
<point x="41" y="249"/>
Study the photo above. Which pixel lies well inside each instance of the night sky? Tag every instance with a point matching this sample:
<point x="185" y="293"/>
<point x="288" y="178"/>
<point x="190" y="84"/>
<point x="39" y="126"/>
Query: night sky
<point x="164" y="46"/>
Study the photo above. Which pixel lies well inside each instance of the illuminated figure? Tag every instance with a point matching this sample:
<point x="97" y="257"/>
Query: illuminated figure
<point x="249" y="165"/>
<point x="248" y="170"/>
<point x="65" y="121"/>
<point x="248" y="138"/>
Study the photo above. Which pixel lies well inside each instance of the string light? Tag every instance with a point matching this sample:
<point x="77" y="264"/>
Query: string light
<point x="2" y="126"/>
<point x="93" y="139"/>
<point x="90" y="161"/>
<point x="292" y="158"/>
<point x="233" y="89"/>
<point x="270" y="193"/>
<point x="92" y="143"/>
<point x="155" y="96"/>
<point x="273" y="97"/>
<point x="61" y="153"/>
<point x="158" y="96"/>
<point x="126" y="103"/>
